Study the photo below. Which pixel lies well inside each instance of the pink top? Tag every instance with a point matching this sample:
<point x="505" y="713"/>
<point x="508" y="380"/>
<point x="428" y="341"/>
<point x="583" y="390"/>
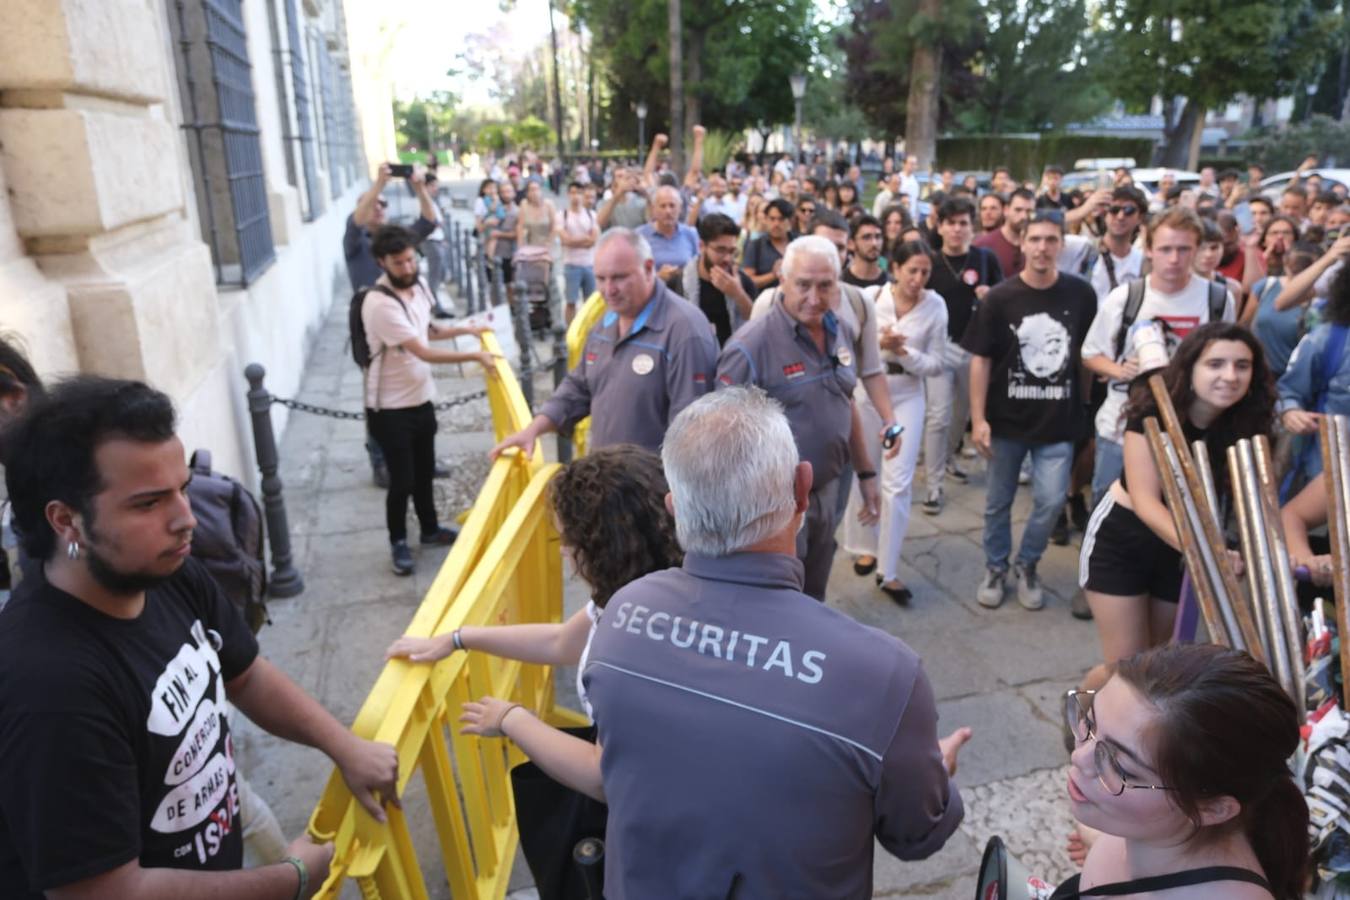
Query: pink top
<point x="578" y="225"/>
<point x="396" y="378"/>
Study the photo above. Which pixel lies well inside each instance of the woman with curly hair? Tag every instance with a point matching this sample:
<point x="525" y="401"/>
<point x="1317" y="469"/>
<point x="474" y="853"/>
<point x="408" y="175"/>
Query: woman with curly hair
<point x="610" y="510"/>
<point x="1130" y="566"/>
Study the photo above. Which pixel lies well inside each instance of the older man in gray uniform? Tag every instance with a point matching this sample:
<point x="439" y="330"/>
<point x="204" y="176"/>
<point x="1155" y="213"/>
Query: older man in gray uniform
<point x="651" y="355"/>
<point x="755" y="742"/>
<point x="799" y="352"/>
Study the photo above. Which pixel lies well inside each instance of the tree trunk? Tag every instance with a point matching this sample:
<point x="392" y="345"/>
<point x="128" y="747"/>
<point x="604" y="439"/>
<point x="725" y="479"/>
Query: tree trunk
<point x="921" y="109"/>
<point x="557" y="88"/>
<point x="693" y="85"/>
<point x="1182" y="148"/>
<point x="675" y="24"/>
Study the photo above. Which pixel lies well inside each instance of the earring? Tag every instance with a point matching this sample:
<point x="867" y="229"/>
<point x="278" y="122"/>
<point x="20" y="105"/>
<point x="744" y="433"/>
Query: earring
<point x="73" y="550"/>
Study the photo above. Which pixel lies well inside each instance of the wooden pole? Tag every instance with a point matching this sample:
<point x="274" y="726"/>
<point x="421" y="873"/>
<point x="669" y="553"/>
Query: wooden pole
<point x="1213" y="536"/>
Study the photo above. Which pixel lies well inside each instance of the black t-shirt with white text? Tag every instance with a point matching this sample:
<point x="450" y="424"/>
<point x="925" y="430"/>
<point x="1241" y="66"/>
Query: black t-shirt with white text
<point x="955" y="279"/>
<point x="1034" y="339"/>
<point x="114" y="741"/>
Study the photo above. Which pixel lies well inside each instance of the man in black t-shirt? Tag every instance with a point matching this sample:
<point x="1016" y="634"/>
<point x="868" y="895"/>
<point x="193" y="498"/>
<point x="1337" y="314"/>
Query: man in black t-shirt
<point x="118" y="660"/>
<point x="962" y="274"/>
<point x="711" y="281"/>
<point x="864" y="244"/>
<point x="1027" y="398"/>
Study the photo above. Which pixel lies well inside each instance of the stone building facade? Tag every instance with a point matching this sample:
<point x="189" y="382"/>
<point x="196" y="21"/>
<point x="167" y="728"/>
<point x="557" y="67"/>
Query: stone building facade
<point x="175" y="176"/>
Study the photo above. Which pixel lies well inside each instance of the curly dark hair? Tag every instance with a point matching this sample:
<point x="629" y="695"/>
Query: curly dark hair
<point x="1252" y="415"/>
<point x="611" y="509"/>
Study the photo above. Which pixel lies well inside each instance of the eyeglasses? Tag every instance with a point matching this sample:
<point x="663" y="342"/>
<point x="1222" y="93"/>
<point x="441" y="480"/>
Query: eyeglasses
<point x="1126" y="210"/>
<point x="383" y="204"/>
<point x="1083" y="724"/>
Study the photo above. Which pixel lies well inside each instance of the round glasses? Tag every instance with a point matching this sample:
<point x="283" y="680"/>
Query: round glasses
<point x="1083" y="724"/>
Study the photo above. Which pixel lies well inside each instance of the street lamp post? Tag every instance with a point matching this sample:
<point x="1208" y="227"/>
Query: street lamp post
<point x="642" y="127"/>
<point x="798" y="82"/>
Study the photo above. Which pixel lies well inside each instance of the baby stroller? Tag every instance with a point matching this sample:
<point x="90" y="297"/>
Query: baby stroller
<point x="534" y="283"/>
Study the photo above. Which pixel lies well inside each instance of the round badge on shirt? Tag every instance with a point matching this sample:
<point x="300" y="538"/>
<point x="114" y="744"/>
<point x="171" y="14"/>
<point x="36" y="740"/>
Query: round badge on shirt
<point x="970" y="277"/>
<point x="643" y="363"/>
<point x="845" y="357"/>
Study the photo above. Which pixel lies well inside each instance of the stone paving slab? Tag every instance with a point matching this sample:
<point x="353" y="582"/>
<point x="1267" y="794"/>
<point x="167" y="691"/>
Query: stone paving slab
<point x="1001" y="671"/>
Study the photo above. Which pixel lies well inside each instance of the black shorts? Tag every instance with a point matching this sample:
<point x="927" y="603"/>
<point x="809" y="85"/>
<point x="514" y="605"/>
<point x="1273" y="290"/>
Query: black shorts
<point x="508" y="269"/>
<point x="1122" y="556"/>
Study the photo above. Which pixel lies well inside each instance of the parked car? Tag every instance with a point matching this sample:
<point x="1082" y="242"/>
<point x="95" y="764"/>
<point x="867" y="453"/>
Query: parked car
<point x="1273" y="186"/>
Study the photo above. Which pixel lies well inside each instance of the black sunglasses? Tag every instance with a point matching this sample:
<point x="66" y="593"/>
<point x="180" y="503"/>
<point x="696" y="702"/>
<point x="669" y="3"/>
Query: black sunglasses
<point x="1126" y="210"/>
<point x="1047" y="215"/>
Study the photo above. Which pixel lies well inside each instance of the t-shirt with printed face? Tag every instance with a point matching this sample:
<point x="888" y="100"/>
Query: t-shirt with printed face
<point x="113" y="733"/>
<point x="1033" y="338"/>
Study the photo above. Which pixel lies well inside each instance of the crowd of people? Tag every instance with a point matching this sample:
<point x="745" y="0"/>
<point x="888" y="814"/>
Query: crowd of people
<point x="774" y="364"/>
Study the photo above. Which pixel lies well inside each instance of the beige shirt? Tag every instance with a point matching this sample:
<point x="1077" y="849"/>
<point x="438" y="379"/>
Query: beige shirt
<point x="396" y="378"/>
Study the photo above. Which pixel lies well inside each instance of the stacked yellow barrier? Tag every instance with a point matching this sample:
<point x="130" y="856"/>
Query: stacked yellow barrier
<point x="504" y="568"/>
<point x="590" y="313"/>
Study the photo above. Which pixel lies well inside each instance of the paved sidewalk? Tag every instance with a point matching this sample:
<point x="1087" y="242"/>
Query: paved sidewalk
<point x="1000" y="671"/>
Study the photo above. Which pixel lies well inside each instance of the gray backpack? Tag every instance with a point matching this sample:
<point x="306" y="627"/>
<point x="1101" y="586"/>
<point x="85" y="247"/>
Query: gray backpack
<point x="228" y="539"/>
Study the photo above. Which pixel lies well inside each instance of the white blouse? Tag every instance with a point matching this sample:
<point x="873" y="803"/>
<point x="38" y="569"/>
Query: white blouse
<point x="924" y="328"/>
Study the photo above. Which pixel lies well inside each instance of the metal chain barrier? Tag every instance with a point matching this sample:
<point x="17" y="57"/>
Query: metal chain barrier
<point x="299" y="406"/>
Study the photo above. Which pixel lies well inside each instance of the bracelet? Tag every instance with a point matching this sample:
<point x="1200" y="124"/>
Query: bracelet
<point x="457" y="640"/>
<point x="502" y="721"/>
<point x="302" y="872"/>
<point x="863" y="476"/>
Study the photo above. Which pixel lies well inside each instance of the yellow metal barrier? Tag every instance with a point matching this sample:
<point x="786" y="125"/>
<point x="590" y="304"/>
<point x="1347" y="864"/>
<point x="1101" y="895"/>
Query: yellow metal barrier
<point x="590" y="313"/>
<point x="504" y="568"/>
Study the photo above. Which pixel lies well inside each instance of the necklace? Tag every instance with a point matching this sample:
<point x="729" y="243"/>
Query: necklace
<point x="947" y="261"/>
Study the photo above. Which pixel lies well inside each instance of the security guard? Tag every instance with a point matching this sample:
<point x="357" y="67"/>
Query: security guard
<point x="754" y="742"/>
<point x="799" y="354"/>
<point x="651" y="355"/>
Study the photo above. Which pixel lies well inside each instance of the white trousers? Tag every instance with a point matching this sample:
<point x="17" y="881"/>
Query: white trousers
<point x="948" y="408"/>
<point x="887" y="539"/>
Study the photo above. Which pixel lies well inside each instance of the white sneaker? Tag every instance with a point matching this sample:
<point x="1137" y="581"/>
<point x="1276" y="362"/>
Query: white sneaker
<point x="1029" y="592"/>
<point x="990" y="594"/>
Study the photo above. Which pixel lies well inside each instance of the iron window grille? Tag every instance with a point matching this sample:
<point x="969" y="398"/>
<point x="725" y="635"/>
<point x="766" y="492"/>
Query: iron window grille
<point x="224" y="145"/>
<point x="297" y="124"/>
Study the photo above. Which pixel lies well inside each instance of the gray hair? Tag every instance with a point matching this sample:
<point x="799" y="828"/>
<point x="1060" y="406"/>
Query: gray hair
<point x="629" y="237"/>
<point x="810" y="245"/>
<point x="730" y="462"/>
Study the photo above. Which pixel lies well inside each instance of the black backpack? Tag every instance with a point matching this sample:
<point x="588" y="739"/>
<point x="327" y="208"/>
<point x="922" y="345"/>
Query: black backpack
<point x="228" y="539"/>
<point x="357" y="328"/>
<point x="1134" y="299"/>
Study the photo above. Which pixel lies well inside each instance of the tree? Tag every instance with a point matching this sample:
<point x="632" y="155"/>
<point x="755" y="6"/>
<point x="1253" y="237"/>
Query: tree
<point x="531" y="133"/>
<point x="1198" y="55"/>
<point x="882" y="45"/>
<point x="737" y="55"/>
<point x="425" y="123"/>
<point x="1035" y="68"/>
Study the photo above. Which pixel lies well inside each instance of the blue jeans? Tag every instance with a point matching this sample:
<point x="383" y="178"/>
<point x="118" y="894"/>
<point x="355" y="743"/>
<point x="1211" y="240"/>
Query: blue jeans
<point x="1051" y="465"/>
<point x="1107" y="466"/>
<point x="578" y="283"/>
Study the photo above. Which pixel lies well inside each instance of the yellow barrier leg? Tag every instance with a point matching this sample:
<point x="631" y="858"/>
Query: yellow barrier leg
<point x="451" y="828"/>
<point x="471" y="780"/>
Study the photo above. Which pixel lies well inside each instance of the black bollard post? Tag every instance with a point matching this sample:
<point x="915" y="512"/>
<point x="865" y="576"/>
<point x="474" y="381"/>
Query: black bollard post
<point x="498" y="289"/>
<point x="520" y="318"/>
<point x="453" y="235"/>
<point x="559" y="373"/>
<point x="285" y="580"/>
<point x="476" y="277"/>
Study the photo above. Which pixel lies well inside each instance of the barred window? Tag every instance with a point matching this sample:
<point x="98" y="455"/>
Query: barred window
<point x="221" y="120"/>
<point x="297" y="124"/>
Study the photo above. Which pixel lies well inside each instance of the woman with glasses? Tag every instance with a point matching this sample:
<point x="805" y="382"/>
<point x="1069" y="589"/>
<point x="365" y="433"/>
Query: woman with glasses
<point x="1181" y="765"/>
<point x="1130" y="565"/>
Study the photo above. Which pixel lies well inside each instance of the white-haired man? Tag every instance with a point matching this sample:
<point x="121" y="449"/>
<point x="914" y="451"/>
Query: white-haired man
<point x="800" y="353"/>
<point x="778" y="736"/>
<point x="651" y="355"/>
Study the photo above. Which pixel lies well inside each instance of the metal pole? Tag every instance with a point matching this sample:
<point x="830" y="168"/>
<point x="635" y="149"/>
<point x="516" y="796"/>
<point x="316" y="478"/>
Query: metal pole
<point x="559" y="373"/>
<point x="1335" y="443"/>
<point x="285" y="580"/>
<point x="455" y="257"/>
<point x="1286" y="593"/>
<point x="475" y="277"/>
<point x="520" y="318"/>
<point x="498" y="289"/>
<point x="1266" y="596"/>
<point x="1247" y="537"/>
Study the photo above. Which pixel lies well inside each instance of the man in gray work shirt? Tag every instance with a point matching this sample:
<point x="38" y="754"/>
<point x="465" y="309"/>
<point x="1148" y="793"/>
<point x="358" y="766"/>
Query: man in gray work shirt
<point x="799" y="352"/>
<point x="753" y="741"/>
<point x="651" y="355"/>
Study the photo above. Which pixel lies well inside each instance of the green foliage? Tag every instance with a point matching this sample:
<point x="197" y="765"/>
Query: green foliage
<point x="1282" y="150"/>
<point x="492" y="138"/>
<point x="1209" y="52"/>
<point x="423" y="122"/>
<point x="1034" y="69"/>
<point x="739" y="54"/>
<point x="1027" y="156"/>
<point x="718" y="146"/>
<point x="533" y="134"/>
